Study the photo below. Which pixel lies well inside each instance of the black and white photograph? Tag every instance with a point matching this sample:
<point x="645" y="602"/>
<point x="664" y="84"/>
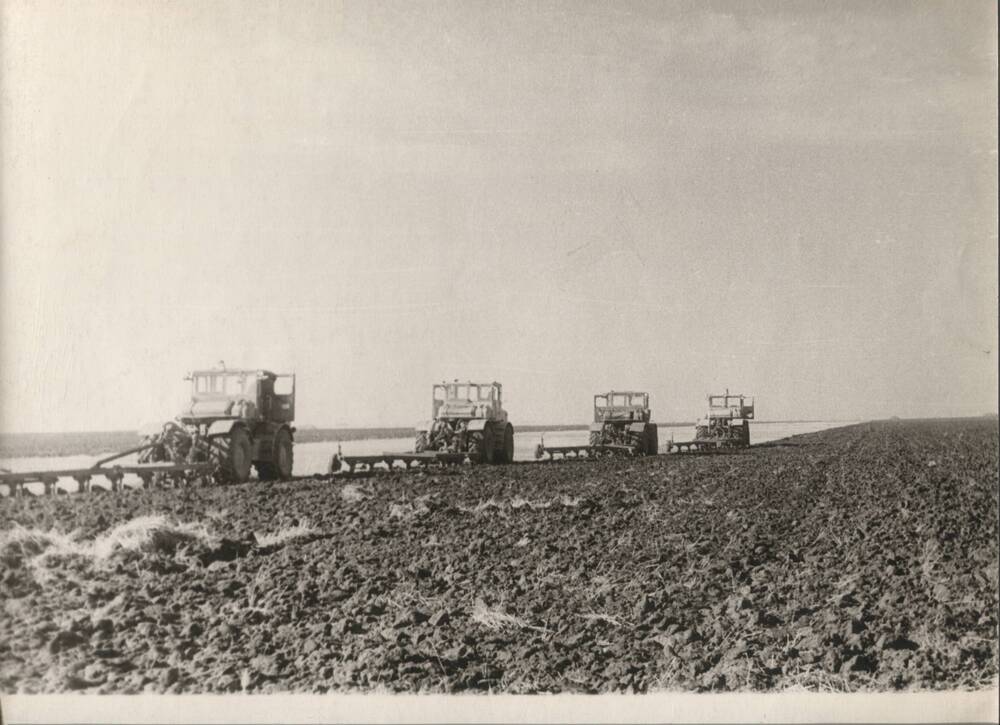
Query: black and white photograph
<point x="453" y="360"/>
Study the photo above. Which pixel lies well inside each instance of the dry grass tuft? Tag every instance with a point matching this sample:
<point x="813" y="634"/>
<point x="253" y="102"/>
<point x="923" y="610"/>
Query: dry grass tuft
<point x="495" y="618"/>
<point x="519" y="502"/>
<point x="152" y="535"/>
<point x="607" y="618"/>
<point x="352" y="493"/>
<point x="286" y="534"/>
<point x="218" y="516"/>
<point x="491" y="503"/>
<point x="45" y="553"/>
<point x="481" y="506"/>
<point x="40" y="551"/>
<point x="410" y="509"/>
<point x="401" y="511"/>
<point x="813" y="678"/>
<point x="21" y="542"/>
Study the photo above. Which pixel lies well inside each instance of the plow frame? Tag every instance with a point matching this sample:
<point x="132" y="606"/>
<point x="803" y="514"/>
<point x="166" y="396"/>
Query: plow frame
<point x="115" y="475"/>
<point x="703" y="445"/>
<point x="340" y="464"/>
<point x="583" y="451"/>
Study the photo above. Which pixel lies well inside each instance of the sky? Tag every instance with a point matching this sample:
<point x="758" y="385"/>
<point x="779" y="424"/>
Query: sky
<point x="791" y="200"/>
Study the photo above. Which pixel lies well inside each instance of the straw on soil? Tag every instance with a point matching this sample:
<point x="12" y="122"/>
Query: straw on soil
<point x="286" y="534"/>
<point x="152" y="535"/>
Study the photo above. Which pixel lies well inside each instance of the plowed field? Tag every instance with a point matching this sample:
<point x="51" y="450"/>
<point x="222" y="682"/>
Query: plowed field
<point x="859" y="558"/>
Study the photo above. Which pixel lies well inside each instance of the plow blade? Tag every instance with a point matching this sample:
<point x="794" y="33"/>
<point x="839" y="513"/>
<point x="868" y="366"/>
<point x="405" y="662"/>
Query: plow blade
<point x="583" y="451"/>
<point x="114" y="474"/>
<point x="341" y="463"/>
<point x="704" y="445"/>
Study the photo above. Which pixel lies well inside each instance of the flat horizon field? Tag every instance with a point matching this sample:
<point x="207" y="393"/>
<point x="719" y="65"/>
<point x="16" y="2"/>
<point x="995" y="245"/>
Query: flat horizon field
<point x="859" y="558"/>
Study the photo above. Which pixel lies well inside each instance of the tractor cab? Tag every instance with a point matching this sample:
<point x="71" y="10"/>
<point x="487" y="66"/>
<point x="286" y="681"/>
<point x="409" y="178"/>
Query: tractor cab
<point x="730" y="406"/>
<point x="244" y="394"/>
<point x="467" y="400"/>
<point x="626" y="405"/>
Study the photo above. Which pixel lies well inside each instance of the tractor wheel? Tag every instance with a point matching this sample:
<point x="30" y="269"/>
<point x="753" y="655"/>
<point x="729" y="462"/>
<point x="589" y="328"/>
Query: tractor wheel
<point x="236" y="455"/>
<point x="595" y="438"/>
<point x="282" y="456"/>
<point x="488" y="445"/>
<point x="421" y="443"/>
<point x="284" y="453"/>
<point x="652" y="440"/>
<point x="506" y="453"/>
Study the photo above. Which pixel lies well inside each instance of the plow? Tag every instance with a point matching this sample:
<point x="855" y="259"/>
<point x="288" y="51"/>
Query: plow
<point x="149" y="475"/>
<point x="411" y="459"/>
<point x="697" y="446"/>
<point x="582" y="451"/>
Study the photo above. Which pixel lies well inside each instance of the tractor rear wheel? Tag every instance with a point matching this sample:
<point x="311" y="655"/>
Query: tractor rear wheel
<point x="488" y="445"/>
<point x="506" y="454"/>
<point x="284" y="454"/>
<point x="282" y="457"/>
<point x="236" y="455"/>
<point x="595" y="438"/>
<point x="652" y="440"/>
<point x="420" y="445"/>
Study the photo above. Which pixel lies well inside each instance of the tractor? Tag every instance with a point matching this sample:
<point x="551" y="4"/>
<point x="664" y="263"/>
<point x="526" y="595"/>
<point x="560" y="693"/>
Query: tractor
<point x="235" y="419"/>
<point x="623" y="418"/>
<point x="469" y="418"/>
<point x="727" y="423"/>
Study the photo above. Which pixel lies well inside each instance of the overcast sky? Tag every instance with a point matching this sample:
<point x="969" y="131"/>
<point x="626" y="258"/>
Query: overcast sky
<point x="793" y="200"/>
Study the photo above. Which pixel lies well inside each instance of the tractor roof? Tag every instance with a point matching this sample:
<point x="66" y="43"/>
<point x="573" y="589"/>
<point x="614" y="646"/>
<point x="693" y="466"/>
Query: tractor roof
<point x="235" y="371"/>
<point x="465" y="382"/>
<point x="625" y="392"/>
